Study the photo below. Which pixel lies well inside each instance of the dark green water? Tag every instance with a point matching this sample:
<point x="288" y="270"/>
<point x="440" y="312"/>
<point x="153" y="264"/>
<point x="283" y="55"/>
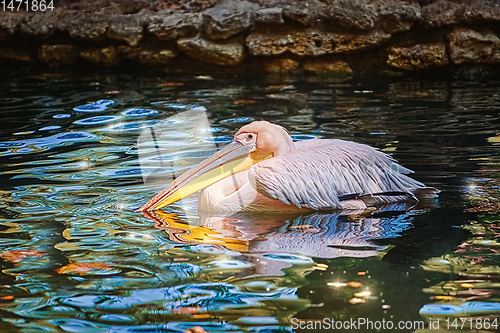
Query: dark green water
<point x="76" y="257"/>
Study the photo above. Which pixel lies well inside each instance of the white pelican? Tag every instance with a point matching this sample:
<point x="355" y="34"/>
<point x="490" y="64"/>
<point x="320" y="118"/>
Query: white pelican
<point x="269" y="172"/>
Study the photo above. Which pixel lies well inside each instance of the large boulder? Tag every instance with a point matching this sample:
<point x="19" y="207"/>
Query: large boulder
<point x="41" y="25"/>
<point x="128" y="28"/>
<point x="418" y="57"/>
<point x="147" y="56"/>
<point x="311" y="41"/>
<point x="442" y="13"/>
<point x="228" y="18"/>
<point x="326" y="65"/>
<point x="228" y="52"/>
<point x="352" y="14"/>
<point x="133" y="6"/>
<point x="272" y="15"/>
<point x="9" y="23"/>
<point x="398" y="17"/>
<point x="471" y="46"/>
<point x="102" y="57"/>
<point x="175" y="25"/>
<point x="445" y="12"/>
<point x="58" y="54"/>
<point x="21" y="55"/>
<point x="481" y="11"/>
<point x="279" y="65"/>
<point x="305" y="12"/>
<point x="86" y="25"/>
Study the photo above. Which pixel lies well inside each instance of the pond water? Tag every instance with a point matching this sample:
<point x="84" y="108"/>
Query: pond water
<point x="77" y="258"/>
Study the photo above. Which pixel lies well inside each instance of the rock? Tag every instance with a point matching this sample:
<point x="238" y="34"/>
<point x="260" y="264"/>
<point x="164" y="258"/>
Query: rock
<point x="174" y="26"/>
<point x="127" y="28"/>
<point x="282" y="30"/>
<point x="93" y="5"/>
<point x="305" y="12"/>
<point x="228" y="18"/>
<point x="16" y="55"/>
<point x="273" y="16"/>
<point x="160" y="57"/>
<point x="133" y="6"/>
<point x="418" y="57"/>
<point x="326" y="65"/>
<point x="229" y="52"/>
<point x="185" y="6"/>
<point x="274" y="3"/>
<point x="398" y="17"/>
<point x="353" y="14"/>
<point x="59" y="54"/>
<point x="41" y="25"/>
<point x="102" y="57"/>
<point x="280" y="65"/>
<point x="441" y="13"/>
<point x="480" y="11"/>
<point x="310" y="41"/>
<point x="369" y="63"/>
<point x="471" y="46"/>
<point x="87" y="25"/>
<point x="9" y="24"/>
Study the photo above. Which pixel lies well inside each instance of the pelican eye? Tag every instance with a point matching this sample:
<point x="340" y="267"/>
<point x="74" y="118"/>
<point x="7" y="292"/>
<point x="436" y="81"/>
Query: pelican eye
<point x="250" y="136"/>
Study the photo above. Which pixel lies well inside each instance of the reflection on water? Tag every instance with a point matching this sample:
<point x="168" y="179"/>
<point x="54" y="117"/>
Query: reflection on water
<point x="76" y="257"/>
<point x="318" y="235"/>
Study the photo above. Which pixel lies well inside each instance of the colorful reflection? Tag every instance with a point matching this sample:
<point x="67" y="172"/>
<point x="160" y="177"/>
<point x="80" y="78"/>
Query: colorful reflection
<point x="76" y="257"/>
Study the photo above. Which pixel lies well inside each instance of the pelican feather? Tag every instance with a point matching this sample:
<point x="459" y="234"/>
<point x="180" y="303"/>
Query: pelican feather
<point x="340" y="168"/>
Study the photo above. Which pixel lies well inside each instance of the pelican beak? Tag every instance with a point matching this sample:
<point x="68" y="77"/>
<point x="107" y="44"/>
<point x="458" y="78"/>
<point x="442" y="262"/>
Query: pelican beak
<point x="233" y="158"/>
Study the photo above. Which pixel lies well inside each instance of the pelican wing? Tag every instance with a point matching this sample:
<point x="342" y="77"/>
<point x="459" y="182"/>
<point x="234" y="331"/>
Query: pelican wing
<point x="318" y="174"/>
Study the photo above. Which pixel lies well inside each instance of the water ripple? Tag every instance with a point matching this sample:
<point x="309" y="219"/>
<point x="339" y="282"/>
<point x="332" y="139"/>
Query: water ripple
<point x="47" y="143"/>
<point x="136" y="112"/>
<point x="76" y="257"/>
<point x="98" y="106"/>
<point x="97" y="120"/>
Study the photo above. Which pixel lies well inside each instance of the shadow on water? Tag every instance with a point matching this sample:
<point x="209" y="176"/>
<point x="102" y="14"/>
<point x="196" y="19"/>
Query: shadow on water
<point x="76" y="258"/>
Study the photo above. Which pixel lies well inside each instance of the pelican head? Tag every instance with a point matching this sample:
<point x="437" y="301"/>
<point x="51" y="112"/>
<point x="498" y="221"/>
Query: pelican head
<point x="265" y="137"/>
<point x="253" y="143"/>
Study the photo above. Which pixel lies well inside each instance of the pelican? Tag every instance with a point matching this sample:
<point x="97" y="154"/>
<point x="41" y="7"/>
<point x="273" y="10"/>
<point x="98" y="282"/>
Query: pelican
<point x="264" y="170"/>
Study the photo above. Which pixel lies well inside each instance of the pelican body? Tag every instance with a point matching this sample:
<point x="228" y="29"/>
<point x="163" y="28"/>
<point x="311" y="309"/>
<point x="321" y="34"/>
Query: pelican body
<point x="264" y="170"/>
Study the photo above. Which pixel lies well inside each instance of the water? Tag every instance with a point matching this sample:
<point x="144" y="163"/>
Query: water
<point x="77" y="258"/>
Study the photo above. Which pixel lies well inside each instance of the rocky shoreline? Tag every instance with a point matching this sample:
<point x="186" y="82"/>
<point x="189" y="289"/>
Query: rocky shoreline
<point x="320" y="37"/>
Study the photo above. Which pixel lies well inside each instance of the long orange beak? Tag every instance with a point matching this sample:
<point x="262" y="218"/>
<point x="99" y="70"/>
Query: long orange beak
<point x="228" y="161"/>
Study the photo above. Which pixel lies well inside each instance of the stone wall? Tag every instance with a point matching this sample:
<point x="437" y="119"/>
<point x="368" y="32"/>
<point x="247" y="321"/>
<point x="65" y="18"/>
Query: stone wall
<point x="328" y="36"/>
